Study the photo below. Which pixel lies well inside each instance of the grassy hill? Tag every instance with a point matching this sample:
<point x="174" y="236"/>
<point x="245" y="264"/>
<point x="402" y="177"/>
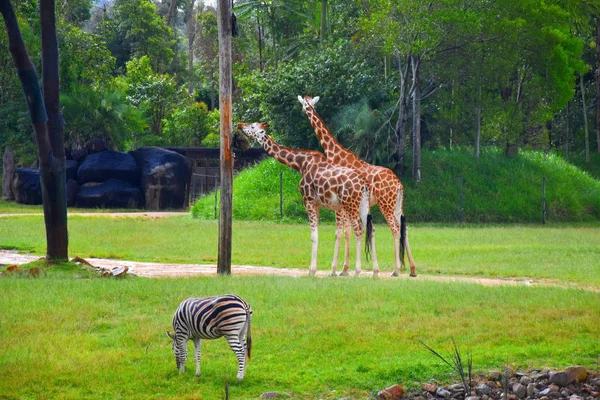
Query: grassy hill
<point x="495" y="189"/>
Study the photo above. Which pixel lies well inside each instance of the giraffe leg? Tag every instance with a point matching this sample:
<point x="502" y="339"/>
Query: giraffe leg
<point x="240" y="353"/>
<point x="313" y="217"/>
<point x="413" y="268"/>
<point x="197" y="355"/>
<point x="394" y="224"/>
<point x="374" y="255"/>
<point x="358" y="232"/>
<point x="339" y="227"/>
<point x="347" y="235"/>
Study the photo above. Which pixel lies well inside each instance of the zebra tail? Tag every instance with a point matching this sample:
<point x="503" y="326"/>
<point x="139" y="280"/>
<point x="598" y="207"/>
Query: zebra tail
<point x="402" y="238"/>
<point x="249" y="335"/>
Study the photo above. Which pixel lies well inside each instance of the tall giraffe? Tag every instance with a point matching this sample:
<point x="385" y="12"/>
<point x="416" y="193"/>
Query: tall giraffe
<point x="385" y="187"/>
<point x="328" y="185"/>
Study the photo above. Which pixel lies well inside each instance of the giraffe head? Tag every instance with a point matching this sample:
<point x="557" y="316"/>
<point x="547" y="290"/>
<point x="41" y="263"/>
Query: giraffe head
<point x="307" y="102"/>
<point x="255" y="130"/>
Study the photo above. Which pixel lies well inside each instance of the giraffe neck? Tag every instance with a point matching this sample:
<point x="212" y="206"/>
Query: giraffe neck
<point x="293" y="158"/>
<point x="333" y="148"/>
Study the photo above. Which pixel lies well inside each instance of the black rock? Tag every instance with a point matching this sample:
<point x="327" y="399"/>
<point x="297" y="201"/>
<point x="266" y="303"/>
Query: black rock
<point x="100" y="167"/>
<point x="95" y="145"/>
<point x="110" y="194"/>
<point x="72" y="188"/>
<point x="26" y="186"/>
<point x="165" y="177"/>
<point x="71" y="169"/>
<point x="79" y="154"/>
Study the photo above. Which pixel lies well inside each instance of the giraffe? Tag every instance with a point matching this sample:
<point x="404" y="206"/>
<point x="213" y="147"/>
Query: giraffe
<point x="384" y="186"/>
<point x="328" y="185"/>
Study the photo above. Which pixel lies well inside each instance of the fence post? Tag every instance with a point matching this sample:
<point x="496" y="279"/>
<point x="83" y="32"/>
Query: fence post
<point x="460" y="199"/>
<point x="281" y="194"/>
<point x="216" y="190"/>
<point x="544" y="200"/>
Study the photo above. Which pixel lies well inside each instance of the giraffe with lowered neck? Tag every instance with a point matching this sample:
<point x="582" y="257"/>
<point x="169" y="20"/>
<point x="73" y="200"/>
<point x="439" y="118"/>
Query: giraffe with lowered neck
<point x="384" y="186"/>
<point x="324" y="184"/>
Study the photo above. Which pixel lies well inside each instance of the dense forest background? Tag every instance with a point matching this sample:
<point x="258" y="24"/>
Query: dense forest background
<point x="394" y="76"/>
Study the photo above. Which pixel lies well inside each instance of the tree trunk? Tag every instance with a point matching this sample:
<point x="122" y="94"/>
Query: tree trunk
<point x="400" y="128"/>
<point x="171" y="14"/>
<point x="598" y="83"/>
<point x="191" y="28"/>
<point x="54" y="194"/>
<point x="568" y="130"/>
<point x="323" y="19"/>
<point x="50" y="180"/>
<point x="585" y="121"/>
<point x="416" y="117"/>
<point x="260" y="43"/>
<point x="225" y="83"/>
<point x="478" y="123"/>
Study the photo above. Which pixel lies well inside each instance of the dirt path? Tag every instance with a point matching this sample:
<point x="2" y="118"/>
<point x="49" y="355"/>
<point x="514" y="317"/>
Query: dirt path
<point x="165" y="270"/>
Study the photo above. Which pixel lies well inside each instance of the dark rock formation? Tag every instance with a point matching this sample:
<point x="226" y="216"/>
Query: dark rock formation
<point x="72" y="188"/>
<point x="71" y="171"/>
<point x="165" y="177"/>
<point x="105" y="165"/>
<point x="95" y="145"/>
<point x="8" y="173"/>
<point x="79" y="154"/>
<point x="26" y="186"/>
<point x="113" y="193"/>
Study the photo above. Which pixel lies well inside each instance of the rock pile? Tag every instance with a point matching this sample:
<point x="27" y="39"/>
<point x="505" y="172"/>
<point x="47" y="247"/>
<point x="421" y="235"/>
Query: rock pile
<point x="573" y="383"/>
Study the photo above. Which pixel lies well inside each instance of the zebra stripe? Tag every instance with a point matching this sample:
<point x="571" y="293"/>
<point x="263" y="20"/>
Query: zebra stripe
<point x="211" y="318"/>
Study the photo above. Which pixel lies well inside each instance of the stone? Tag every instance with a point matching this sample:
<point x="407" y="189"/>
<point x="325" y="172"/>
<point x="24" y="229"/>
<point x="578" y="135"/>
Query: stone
<point x="472" y="398"/>
<point x="560" y="379"/>
<point x="71" y="169"/>
<point x="442" y="393"/>
<point x="525" y="380"/>
<point x="576" y="373"/>
<point x="494" y="375"/>
<point x="95" y="145"/>
<point x="26" y="186"/>
<point x="483" y="389"/>
<point x="8" y="173"/>
<point x="429" y="387"/>
<point x="530" y="390"/>
<point x="110" y="194"/>
<point x="72" y="188"/>
<point x="545" y="392"/>
<point x="519" y="390"/>
<point x="539" y="377"/>
<point x="165" y="177"/>
<point x="79" y="154"/>
<point x="100" y="167"/>
<point x="457" y="387"/>
<point x="391" y="393"/>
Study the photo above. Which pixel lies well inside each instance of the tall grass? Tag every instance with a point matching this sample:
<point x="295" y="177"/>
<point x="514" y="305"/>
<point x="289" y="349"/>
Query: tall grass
<point x="495" y="189"/>
<point x="314" y="338"/>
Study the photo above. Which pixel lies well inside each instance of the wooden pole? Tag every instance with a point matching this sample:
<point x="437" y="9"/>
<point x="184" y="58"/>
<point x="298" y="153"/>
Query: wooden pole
<point x="226" y="160"/>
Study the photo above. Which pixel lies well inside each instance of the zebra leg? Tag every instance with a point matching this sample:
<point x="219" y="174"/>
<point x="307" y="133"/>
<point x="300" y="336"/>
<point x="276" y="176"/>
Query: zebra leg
<point x="240" y="353"/>
<point x="197" y="355"/>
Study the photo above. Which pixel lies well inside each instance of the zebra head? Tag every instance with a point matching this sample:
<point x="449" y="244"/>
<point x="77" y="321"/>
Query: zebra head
<point x="179" y="350"/>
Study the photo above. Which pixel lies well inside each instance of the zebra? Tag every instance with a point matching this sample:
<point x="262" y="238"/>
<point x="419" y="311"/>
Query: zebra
<point x="211" y="318"/>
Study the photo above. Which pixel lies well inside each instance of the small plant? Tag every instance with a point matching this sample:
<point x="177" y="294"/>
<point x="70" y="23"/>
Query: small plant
<point x="457" y="365"/>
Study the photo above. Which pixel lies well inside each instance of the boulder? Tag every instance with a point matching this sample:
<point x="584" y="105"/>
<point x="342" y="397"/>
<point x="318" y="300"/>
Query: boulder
<point x="165" y="177"/>
<point x="72" y="188"/>
<point x="79" y="154"/>
<point x="71" y="169"/>
<point x="8" y="174"/>
<point x="391" y="393"/>
<point x="26" y="186"/>
<point x="95" y="145"/>
<point x="100" y="167"/>
<point x="113" y="193"/>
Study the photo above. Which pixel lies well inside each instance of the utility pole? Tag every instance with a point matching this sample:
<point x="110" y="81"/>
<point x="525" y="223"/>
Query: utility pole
<point x="226" y="160"/>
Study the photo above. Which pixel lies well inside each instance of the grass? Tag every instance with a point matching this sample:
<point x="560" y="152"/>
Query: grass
<point x="10" y="207"/>
<point x="314" y="338"/>
<point x="495" y="189"/>
<point x="558" y="252"/>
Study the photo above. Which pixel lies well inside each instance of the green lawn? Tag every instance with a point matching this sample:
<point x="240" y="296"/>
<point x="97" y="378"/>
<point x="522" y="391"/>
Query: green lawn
<point x="316" y="338"/>
<point x="558" y="252"/>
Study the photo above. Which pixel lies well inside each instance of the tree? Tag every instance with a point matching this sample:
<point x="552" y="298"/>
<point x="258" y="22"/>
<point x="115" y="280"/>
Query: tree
<point x="47" y="122"/>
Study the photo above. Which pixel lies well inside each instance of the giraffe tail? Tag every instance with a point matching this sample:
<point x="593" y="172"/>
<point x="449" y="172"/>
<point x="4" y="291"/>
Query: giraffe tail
<point x="367" y="220"/>
<point x="402" y="221"/>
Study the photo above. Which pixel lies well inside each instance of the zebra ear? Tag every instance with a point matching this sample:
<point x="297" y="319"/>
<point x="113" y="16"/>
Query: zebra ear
<point x="171" y="335"/>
